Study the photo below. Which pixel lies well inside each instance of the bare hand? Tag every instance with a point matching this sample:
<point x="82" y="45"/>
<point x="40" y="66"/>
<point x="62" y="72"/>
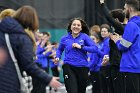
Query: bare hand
<point x="55" y="83"/>
<point x="105" y="60"/>
<point x="56" y="60"/>
<point x="76" y="45"/>
<point x="102" y="1"/>
<point x="115" y="37"/>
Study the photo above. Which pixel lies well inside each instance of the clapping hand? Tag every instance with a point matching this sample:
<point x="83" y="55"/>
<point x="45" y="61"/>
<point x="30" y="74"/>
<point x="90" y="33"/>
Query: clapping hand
<point x="115" y="37"/>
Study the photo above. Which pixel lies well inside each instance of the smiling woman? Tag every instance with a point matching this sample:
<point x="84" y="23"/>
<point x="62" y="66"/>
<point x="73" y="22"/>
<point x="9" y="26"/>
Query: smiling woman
<point x="76" y="45"/>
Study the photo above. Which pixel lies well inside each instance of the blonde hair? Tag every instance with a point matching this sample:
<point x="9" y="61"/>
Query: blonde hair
<point x="6" y="12"/>
<point x="32" y="37"/>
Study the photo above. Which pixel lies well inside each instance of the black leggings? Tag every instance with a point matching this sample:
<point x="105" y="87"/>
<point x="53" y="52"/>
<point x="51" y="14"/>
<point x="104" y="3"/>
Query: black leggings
<point x="75" y="78"/>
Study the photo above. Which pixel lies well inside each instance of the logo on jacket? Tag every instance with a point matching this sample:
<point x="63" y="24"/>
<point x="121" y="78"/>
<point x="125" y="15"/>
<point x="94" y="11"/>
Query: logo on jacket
<point x="81" y="42"/>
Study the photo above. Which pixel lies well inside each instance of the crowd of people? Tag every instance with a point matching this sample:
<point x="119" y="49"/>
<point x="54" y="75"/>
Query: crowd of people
<point x="105" y="56"/>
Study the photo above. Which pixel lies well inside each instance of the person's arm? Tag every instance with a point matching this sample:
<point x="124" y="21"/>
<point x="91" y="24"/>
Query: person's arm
<point x="93" y="60"/>
<point x="60" y="49"/>
<point x="105" y="49"/>
<point x="44" y="54"/>
<point x="26" y="63"/>
<point x="39" y="50"/>
<point x="117" y="25"/>
<point x="90" y="45"/>
<point x="128" y="37"/>
<point x="103" y="52"/>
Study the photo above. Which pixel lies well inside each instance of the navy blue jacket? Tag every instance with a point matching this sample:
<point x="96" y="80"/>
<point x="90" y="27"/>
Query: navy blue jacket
<point x="23" y="49"/>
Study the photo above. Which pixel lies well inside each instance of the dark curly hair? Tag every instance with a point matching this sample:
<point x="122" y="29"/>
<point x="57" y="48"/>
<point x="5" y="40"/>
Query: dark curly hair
<point x="85" y="28"/>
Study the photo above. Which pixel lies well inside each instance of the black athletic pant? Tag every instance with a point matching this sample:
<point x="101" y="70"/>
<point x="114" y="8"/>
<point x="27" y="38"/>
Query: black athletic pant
<point x="75" y="78"/>
<point x="117" y="80"/>
<point x="132" y="82"/>
<point x="55" y="71"/>
<point x="105" y="79"/>
<point x="96" y="82"/>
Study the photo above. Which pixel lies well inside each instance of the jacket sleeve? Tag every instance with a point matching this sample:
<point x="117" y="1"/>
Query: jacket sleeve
<point x="93" y="60"/>
<point x="46" y="55"/>
<point x="119" y="28"/>
<point x="26" y="62"/>
<point x="105" y="50"/>
<point x="128" y="37"/>
<point x="39" y="50"/>
<point x="90" y="45"/>
<point x="60" y="49"/>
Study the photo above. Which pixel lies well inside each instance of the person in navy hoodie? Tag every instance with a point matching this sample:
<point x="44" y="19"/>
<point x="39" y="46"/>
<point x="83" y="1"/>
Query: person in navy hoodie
<point x="76" y="45"/>
<point x="129" y="44"/>
<point x="21" y="28"/>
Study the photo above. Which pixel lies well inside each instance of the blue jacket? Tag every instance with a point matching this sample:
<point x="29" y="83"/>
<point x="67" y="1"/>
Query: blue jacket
<point x="74" y="56"/>
<point x="52" y="64"/>
<point x="42" y="59"/>
<point x="130" y="46"/>
<point x="23" y="49"/>
<point x="96" y="58"/>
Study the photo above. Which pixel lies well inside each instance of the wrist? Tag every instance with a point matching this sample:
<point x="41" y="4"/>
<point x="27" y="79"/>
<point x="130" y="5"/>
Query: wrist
<point x="82" y="46"/>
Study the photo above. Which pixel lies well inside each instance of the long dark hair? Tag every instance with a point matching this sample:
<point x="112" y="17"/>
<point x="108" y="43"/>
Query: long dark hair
<point x="85" y="28"/>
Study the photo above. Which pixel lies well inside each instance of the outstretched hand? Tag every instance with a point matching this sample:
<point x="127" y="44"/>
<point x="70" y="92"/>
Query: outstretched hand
<point x="55" y="83"/>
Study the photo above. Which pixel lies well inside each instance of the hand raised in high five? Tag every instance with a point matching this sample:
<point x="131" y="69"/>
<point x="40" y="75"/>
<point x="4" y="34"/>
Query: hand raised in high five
<point x="102" y="1"/>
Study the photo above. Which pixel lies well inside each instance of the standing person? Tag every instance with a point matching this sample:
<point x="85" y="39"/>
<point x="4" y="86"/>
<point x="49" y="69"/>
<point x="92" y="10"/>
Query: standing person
<point x="105" y="68"/>
<point x="55" y="68"/>
<point x="76" y="45"/>
<point x="94" y="66"/>
<point x="116" y="19"/>
<point x="21" y="30"/>
<point x="129" y="44"/>
<point x="42" y="53"/>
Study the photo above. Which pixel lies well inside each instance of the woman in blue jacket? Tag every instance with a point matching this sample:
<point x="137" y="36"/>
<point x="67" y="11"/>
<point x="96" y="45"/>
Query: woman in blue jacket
<point x="76" y="45"/>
